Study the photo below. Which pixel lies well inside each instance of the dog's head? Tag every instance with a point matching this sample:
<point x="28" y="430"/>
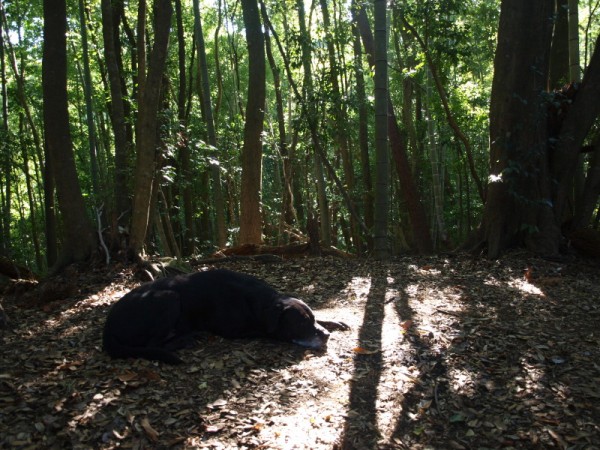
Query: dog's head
<point x="295" y="322"/>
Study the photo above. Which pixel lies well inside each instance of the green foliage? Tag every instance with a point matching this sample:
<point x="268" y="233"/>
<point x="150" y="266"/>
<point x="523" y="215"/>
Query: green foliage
<point x="459" y="37"/>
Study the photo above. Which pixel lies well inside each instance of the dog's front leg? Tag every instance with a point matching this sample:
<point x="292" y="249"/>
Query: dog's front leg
<point x="331" y="325"/>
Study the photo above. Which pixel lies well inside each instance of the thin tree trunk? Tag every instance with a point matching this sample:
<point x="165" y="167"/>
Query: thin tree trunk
<point x="185" y="172"/>
<point x="117" y="114"/>
<point x="559" y="53"/>
<point x="145" y="170"/>
<point x="218" y="74"/>
<point x="309" y="101"/>
<point x="462" y="137"/>
<point x="381" y="244"/>
<point x="363" y="133"/>
<point x="250" y="212"/>
<point x="288" y="212"/>
<point x="312" y="125"/>
<point x="5" y="202"/>
<point x="575" y="76"/>
<point x="30" y="197"/>
<point x="89" y="111"/>
<point x="416" y="211"/>
<point x="574" y="67"/>
<point x="437" y="171"/>
<point x="218" y="200"/>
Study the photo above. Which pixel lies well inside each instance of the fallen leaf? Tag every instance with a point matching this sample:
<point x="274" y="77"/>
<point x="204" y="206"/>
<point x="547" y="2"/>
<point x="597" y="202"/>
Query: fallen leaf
<point x="150" y="432"/>
<point x="364" y="351"/>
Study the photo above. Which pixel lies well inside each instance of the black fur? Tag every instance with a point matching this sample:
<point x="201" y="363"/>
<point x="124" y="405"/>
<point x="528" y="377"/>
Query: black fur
<point x="158" y="318"/>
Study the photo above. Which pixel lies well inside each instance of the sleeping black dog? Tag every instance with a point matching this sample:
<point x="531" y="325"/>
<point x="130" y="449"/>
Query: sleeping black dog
<point x="157" y="318"/>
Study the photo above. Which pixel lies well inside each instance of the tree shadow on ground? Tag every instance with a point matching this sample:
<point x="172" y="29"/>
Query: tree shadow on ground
<point x="361" y="430"/>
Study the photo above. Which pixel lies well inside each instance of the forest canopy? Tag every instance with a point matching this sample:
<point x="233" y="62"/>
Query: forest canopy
<point x="180" y="127"/>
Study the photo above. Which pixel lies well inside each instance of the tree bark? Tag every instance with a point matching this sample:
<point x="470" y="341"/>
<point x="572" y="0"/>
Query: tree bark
<point x="416" y="211"/>
<point x="117" y="113"/>
<point x="146" y="146"/>
<point x="559" y="53"/>
<point x="79" y="241"/>
<point x="578" y="122"/>
<point x="184" y="172"/>
<point x="309" y="101"/>
<point x="250" y="208"/>
<point x="288" y="214"/>
<point x="518" y="209"/>
<point x="218" y="200"/>
<point x="381" y="244"/>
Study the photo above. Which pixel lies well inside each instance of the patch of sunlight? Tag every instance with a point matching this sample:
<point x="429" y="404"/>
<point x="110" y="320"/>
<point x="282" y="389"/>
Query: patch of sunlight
<point x="532" y="374"/>
<point x="320" y="420"/>
<point x="525" y="286"/>
<point x="495" y="178"/>
<point x="358" y="287"/>
<point x="424" y="270"/>
<point x="461" y="381"/>
<point x="411" y="289"/>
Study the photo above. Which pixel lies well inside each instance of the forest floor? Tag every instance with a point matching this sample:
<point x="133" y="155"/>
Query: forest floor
<point x="443" y="353"/>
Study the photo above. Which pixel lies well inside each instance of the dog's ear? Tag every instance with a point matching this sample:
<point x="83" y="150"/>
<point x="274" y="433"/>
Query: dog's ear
<point x="271" y="317"/>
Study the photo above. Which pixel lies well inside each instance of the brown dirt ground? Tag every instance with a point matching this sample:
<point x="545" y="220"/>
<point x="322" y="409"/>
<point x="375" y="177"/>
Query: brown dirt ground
<point x="443" y="352"/>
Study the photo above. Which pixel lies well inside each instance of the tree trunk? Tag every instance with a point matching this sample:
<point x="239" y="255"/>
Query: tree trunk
<point x="288" y="214"/>
<point x="218" y="200"/>
<point x="117" y="114"/>
<point x="576" y="126"/>
<point x="574" y="68"/>
<point x="363" y="134"/>
<point x="250" y="210"/>
<point x="87" y="89"/>
<point x="309" y="101"/>
<point x="184" y="172"/>
<point x="589" y="201"/>
<point x="518" y="207"/>
<point x="437" y="171"/>
<point x="35" y="235"/>
<point x="146" y="147"/>
<point x="381" y="244"/>
<point x="79" y="241"/>
<point x="416" y="211"/>
<point x="559" y="53"/>
<point x="5" y="160"/>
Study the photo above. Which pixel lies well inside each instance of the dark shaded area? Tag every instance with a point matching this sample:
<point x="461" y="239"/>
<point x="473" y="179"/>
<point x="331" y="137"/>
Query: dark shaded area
<point x="361" y="426"/>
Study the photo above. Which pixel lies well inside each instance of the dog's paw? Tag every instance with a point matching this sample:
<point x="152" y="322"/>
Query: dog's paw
<point x="331" y="325"/>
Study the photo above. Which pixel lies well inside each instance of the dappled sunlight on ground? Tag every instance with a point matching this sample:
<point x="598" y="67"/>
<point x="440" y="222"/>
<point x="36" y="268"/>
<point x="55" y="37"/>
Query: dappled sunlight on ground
<point x="442" y="353"/>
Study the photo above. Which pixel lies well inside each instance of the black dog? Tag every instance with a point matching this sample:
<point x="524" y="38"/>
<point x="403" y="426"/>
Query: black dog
<point x="157" y="318"/>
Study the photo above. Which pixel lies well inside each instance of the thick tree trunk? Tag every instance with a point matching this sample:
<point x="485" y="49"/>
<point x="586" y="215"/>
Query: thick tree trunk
<point x="578" y="122"/>
<point x="250" y="208"/>
<point x="518" y="208"/>
<point x="80" y="241"/>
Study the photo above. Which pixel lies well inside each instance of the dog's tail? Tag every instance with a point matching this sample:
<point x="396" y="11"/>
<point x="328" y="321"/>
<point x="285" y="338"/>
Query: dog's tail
<point x="116" y="349"/>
